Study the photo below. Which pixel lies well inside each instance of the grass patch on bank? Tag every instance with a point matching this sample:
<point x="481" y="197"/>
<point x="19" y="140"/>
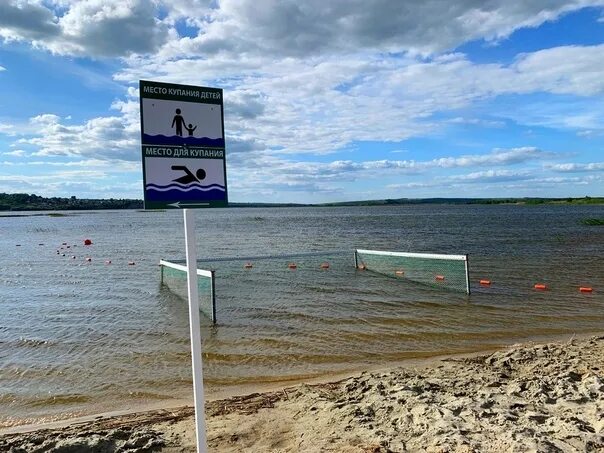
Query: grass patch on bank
<point x="592" y="221"/>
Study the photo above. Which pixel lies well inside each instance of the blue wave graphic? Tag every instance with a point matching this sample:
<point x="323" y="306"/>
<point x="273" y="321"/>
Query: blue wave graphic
<point x="173" y="194"/>
<point x="184" y="187"/>
<point x="182" y="141"/>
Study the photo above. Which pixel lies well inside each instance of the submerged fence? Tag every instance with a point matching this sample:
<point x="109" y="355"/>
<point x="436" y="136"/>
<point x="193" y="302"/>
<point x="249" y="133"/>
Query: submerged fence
<point x="174" y="276"/>
<point x="443" y="271"/>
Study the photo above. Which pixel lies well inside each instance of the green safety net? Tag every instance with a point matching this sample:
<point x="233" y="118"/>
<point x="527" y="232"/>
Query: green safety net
<point x="175" y="280"/>
<point x="441" y="271"/>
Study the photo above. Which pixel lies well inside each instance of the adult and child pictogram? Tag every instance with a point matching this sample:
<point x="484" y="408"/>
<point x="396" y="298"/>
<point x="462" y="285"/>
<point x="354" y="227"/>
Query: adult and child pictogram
<point x="178" y="122"/>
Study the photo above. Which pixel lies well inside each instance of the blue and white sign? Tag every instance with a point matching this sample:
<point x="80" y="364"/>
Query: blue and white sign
<point x="182" y="135"/>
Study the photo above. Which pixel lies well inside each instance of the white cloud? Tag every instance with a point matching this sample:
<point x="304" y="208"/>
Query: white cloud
<point x="275" y="28"/>
<point x="502" y="183"/>
<point x="265" y="171"/>
<point x="563" y="70"/>
<point x="321" y="105"/>
<point x="92" y="179"/>
<point x="495" y="158"/>
<point x="96" y="28"/>
<point x="110" y="166"/>
<point x="7" y="129"/>
<point x="476" y="122"/>
<point x="27" y="21"/>
<point x="577" y="167"/>
<point x="15" y="153"/>
<point x="585" y="115"/>
<point x="302" y="29"/>
<point x="480" y="177"/>
<point x="107" y="138"/>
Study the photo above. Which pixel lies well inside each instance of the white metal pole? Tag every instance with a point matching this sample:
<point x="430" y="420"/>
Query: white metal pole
<point x="198" y="395"/>
<point x="467" y="275"/>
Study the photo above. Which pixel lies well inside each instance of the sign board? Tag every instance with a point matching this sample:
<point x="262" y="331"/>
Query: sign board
<point x="183" y="149"/>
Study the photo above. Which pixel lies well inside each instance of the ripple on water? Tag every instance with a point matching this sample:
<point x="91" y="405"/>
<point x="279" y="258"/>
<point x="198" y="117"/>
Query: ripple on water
<point x="79" y="337"/>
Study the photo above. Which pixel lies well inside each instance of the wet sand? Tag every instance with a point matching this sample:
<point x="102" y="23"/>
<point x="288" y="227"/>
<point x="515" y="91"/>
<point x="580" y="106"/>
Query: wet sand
<point x="545" y="398"/>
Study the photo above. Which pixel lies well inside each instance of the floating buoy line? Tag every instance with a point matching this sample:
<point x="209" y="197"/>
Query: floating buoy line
<point x="484" y="282"/>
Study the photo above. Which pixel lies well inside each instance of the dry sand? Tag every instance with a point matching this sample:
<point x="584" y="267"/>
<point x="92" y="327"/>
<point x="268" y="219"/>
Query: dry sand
<point x="543" y="398"/>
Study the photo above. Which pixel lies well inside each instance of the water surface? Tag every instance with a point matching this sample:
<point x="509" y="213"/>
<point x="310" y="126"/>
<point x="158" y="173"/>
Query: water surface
<point x="80" y="337"/>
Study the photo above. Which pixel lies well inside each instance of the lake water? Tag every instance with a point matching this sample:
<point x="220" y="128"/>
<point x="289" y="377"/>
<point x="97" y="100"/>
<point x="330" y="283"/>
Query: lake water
<point x="80" y="337"/>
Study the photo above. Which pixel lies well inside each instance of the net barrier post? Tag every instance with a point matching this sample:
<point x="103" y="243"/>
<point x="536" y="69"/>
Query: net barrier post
<point x="467" y="275"/>
<point x="213" y="297"/>
<point x="194" y="327"/>
<point x="356" y="259"/>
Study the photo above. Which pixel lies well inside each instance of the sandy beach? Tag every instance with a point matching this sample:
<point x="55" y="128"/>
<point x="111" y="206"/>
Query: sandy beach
<point x="544" y="398"/>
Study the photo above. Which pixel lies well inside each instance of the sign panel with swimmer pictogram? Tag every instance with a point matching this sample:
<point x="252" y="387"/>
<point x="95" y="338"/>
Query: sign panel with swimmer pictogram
<point x="183" y="147"/>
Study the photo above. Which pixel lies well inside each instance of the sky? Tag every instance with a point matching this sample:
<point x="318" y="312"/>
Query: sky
<point x="323" y="100"/>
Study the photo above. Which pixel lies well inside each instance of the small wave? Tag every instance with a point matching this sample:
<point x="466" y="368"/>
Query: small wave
<point x="58" y="400"/>
<point x="8" y="398"/>
<point x="33" y="342"/>
<point x="148" y="395"/>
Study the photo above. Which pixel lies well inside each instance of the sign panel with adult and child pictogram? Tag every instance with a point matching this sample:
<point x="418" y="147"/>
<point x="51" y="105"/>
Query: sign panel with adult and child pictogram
<point x="182" y="135"/>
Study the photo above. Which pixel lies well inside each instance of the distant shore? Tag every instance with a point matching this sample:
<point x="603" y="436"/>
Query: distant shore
<point x="27" y="202"/>
<point x="545" y="397"/>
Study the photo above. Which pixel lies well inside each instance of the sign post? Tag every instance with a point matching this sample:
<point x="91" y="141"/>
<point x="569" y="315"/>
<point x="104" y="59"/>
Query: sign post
<point x="184" y="170"/>
<point x="196" y="346"/>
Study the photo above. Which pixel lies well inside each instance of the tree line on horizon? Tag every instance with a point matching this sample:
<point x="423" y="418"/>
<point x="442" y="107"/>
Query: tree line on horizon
<point x="27" y="202"/>
<point x="32" y="202"/>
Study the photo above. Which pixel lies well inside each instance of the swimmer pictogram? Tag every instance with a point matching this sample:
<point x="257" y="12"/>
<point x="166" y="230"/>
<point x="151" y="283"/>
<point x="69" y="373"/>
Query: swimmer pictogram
<point x="189" y="177"/>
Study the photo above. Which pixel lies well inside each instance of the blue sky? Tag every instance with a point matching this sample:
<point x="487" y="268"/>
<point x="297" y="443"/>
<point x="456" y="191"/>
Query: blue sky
<point x="324" y="101"/>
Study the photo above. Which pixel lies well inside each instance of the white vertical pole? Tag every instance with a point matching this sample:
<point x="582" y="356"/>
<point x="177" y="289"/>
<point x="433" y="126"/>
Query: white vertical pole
<point x="467" y="275"/>
<point x="198" y="396"/>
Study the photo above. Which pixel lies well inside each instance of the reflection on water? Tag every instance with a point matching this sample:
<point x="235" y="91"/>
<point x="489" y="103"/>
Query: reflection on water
<point x="80" y="337"/>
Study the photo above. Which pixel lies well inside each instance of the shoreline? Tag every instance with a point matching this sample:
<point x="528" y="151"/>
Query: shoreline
<point x="522" y="397"/>
<point x="240" y="390"/>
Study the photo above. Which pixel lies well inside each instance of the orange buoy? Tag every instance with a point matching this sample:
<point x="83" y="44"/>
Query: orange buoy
<point x="325" y="265"/>
<point x="586" y="289"/>
<point x="540" y="286"/>
<point x="86" y="242"/>
<point x="292" y="266"/>
<point x="248" y="266"/>
<point x="485" y="282"/>
<point x="440" y="278"/>
<point x="399" y="272"/>
<point x="131" y="263"/>
<point x="108" y="262"/>
<point x="89" y="259"/>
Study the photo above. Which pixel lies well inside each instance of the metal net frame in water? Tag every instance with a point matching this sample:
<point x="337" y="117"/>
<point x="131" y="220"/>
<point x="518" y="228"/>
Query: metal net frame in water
<point x="174" y="277"/>
<point x="436" y="270"/>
